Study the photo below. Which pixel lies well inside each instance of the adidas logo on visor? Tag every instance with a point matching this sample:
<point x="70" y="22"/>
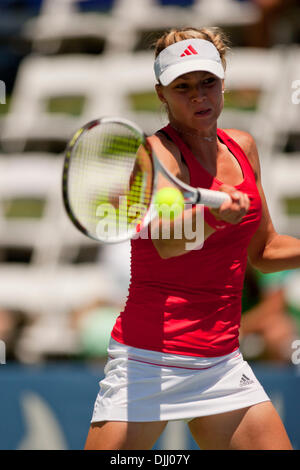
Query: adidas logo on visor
<point x="187" y="56"/>
<point x="189" y="51"/>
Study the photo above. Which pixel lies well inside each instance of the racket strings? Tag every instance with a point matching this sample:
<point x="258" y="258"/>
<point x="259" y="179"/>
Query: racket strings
<point x="110" y="179"/>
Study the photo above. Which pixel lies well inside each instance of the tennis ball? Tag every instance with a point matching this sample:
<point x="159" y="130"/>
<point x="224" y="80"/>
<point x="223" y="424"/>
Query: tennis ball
<point x="169" y="202"/>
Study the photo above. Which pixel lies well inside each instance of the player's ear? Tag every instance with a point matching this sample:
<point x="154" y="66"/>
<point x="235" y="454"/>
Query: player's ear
<point x="223" y="86"/>
<point x="159" y="91"/>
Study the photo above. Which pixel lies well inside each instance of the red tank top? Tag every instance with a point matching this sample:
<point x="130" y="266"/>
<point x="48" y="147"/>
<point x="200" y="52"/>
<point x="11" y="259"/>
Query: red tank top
<point x="191" y="304"/>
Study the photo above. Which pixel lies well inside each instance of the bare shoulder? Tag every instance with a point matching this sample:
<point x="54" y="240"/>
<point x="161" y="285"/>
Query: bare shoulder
<point x="247" y="142"/>
<point x="244" y="139"/>
<point x="166" y="151"/>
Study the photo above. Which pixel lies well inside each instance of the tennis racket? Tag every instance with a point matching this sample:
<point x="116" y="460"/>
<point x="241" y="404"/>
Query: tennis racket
<point x="110" y="178"/>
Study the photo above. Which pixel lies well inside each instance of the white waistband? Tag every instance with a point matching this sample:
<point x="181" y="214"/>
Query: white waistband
<point x="116" y="349"/>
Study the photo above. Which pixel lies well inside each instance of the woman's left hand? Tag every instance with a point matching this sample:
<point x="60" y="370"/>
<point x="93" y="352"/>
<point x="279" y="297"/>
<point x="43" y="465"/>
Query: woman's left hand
<point x="232" y="211"/>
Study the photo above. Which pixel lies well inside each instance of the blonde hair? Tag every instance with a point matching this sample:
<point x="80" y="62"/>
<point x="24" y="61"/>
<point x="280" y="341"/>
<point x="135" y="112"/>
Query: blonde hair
<point x="213" y="34"/>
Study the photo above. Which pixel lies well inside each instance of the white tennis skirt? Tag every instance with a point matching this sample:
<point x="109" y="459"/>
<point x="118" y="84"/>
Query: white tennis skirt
<point x="142" y="385"/>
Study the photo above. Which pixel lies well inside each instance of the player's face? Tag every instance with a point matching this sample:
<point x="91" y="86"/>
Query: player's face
<point x="194" y="99"/>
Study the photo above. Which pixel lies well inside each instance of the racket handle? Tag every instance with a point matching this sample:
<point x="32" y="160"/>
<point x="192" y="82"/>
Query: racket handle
<point x="212" y="198"/>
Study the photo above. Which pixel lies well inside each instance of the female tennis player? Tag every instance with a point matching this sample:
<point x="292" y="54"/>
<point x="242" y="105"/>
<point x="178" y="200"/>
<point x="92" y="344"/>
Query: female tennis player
<point x="174" y="350"/>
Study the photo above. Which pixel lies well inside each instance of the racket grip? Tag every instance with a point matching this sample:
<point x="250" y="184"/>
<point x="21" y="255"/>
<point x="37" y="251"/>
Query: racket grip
<point x="212" y="198"/>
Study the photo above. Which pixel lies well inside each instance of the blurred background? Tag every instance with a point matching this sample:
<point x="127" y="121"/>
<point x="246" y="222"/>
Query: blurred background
<point x="62" y="63"/>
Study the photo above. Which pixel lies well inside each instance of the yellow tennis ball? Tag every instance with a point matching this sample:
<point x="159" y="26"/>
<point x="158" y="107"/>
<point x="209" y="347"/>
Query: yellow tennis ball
<point x="169" y="202"/>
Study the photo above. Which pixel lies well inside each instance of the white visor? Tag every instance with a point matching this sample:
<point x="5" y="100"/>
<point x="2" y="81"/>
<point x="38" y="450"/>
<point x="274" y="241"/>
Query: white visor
<point x="190" y="55"/>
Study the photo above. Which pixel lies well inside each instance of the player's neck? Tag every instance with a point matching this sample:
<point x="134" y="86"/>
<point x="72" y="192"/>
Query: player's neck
<point x="208" y="136"/>
<point x="200" y="142"/>
<point x="194" y="135"/>
<point x="203" y="145"/>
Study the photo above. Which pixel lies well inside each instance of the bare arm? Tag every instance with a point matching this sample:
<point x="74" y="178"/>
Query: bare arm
<point x="171" y="246"/>
<point x="232" y="212"/>
<point x="268" y="251"/>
